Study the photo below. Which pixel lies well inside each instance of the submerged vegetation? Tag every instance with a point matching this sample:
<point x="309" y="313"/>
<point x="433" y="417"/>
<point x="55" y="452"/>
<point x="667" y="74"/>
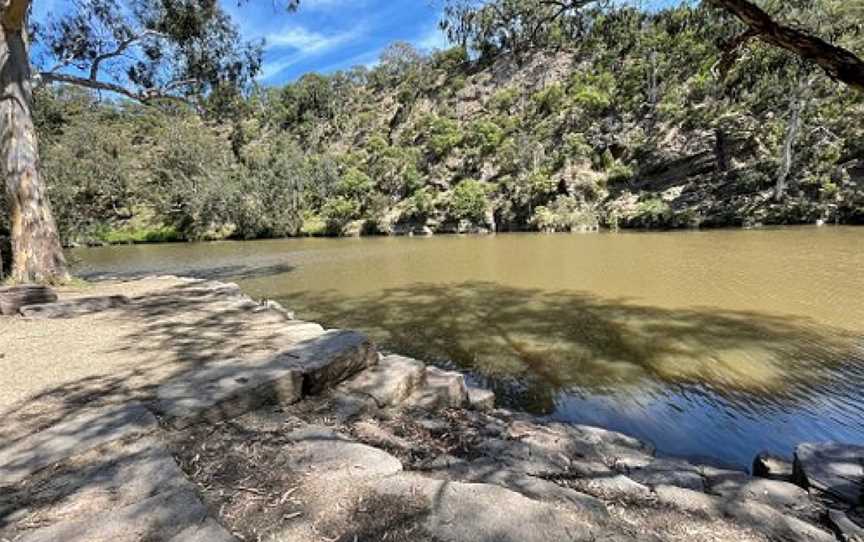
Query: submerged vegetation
<point x="603" y="117"/>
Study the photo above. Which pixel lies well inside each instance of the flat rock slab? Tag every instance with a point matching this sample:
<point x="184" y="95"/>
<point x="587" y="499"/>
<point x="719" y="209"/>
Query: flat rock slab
<point x="390" y="382"/>
<point x="833" y="468"/>
<point x="225" y="389"/>
<point x="747" y="513"/>
<point x="110" y="476"/>
<point x="783" y="495"/>
<point x="486" y="512"/>
<point x="322" y="450"/>
<point x="87" y="430"/>
<point x="166" y="516"/>
<point x="671" y="472"/>
<point x="75" y="307"/>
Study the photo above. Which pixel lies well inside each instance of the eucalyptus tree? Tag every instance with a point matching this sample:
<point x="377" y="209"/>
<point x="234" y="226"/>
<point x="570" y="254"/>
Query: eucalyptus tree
<point x="184" y="52"/>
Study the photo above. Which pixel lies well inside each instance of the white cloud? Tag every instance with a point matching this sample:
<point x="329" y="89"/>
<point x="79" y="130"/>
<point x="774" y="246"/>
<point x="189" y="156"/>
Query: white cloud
<point x="306" y="43"/>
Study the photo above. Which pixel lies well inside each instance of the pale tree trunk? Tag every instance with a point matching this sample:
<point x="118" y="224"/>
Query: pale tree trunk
<point x="36" y="250"/>
<point x="786" y="153"/>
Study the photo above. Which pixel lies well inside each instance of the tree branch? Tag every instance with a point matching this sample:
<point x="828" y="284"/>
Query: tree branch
<point x="121" y="48"/>
<point x="144" y="96"/>
<point x="840" y="64"/>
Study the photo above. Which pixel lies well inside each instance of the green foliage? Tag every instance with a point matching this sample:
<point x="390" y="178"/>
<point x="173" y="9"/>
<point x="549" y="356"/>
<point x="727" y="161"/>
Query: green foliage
<point x="484" y="137"/>
<point x="565" y="214"/>
<point x="443" y="135"/>
<point x="338" y="213"/>
<point x="327" y="151"/>
<point x="549" y="100"/>
<point x="468" y="201"/>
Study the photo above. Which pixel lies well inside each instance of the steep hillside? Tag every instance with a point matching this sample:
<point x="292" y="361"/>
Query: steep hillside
<point x="626" y="119"/>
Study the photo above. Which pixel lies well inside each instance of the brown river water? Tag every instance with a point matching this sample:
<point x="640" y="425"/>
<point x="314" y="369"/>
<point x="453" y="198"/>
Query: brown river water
<point x="712" y="345"/>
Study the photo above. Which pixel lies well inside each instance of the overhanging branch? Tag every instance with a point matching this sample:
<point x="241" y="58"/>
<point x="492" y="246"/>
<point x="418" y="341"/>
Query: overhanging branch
<point x="144" y="96"/>
<point x="839" y="63"/>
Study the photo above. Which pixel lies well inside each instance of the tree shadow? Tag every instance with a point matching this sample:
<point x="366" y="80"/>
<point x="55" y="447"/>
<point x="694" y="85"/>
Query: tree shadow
<point x="531" y="344"/>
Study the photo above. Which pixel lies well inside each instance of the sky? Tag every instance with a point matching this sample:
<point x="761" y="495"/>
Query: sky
<point x="329" y="35"/>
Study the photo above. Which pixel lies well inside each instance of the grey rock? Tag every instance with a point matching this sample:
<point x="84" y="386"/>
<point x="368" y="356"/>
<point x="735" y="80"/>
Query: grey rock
<point x="783" y="495"/>
<point x="485" y="512"/>
<point x="768" y="465"/>
<point x="832" y="468"/>
<point x="671" y="472"/>
<point x="225" y="389"/>
<point x="222" y="390"/>
<point x="688" y="500"/>
<point x="748" y="513"/>
<point x="846" y="528"/>
<point x="75" y="307"/>
<point x="209" y="531"/>
<point x="161" y="517"/>
<point x="480" y="399"/>
<point x="87" y="430"/>
<point x="111" y="476"/>
<point x="443" y="389"/>
<point x="319" y="449"/>
<point x="775" y="524"/>
<point x="390" y="382"/>
<point x="334" y="356"/>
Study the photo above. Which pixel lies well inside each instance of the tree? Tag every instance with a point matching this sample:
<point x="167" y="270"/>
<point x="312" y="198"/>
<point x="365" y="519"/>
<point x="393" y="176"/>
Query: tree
<point x="149" y="51"/>
<point x="839" y="63"/>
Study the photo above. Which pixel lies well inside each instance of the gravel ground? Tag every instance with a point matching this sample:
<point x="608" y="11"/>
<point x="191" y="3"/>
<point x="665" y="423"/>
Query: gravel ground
<point x="51" y="367"/>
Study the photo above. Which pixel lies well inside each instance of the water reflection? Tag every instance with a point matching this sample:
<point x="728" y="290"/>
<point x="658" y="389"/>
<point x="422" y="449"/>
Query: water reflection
<point x="700" y="381"/>
<point x="713" y="344"/>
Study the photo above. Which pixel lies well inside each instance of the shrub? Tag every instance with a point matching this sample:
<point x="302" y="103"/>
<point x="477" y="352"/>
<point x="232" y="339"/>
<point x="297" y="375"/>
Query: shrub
<point x="549" y="100"/>
<point x="443" y="135"/>
<point x="338" y="213"/>
<point x="565" y="214"/>
<point x="468" y="201"/>
<point x="484" y="137"/>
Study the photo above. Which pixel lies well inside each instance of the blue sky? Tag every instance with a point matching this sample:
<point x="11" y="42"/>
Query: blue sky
<point x="328" y="35"/>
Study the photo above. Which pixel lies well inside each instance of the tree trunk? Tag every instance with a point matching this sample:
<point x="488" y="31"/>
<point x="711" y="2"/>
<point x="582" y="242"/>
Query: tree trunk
<point x="37" y="253"/>
<point x="786" y="156"/>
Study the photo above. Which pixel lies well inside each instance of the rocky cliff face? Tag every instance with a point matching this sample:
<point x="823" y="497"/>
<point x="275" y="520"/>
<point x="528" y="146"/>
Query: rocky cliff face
<point x="557" y="144"/>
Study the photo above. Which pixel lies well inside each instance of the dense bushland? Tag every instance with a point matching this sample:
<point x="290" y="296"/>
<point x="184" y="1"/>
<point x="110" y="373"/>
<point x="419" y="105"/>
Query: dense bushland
<point x="608" y="117"/>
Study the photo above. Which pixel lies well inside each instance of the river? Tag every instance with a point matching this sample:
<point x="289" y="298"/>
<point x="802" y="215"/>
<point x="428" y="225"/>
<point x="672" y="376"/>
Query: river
<point x="712" y="345"/>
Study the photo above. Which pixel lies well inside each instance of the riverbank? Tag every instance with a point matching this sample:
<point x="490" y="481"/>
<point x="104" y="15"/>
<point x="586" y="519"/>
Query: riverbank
<point x="272" y="428"/>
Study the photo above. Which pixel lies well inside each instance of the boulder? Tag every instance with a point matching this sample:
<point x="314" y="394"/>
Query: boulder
<point x="480" y="399"/>
<point x="782" y="495"/>
<point x="390" y="382"/>
<point x="832" y="468"/>
<point x="768" y="465"/>
<point x="443" y="389"/>
<point x="330" y="358"/>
